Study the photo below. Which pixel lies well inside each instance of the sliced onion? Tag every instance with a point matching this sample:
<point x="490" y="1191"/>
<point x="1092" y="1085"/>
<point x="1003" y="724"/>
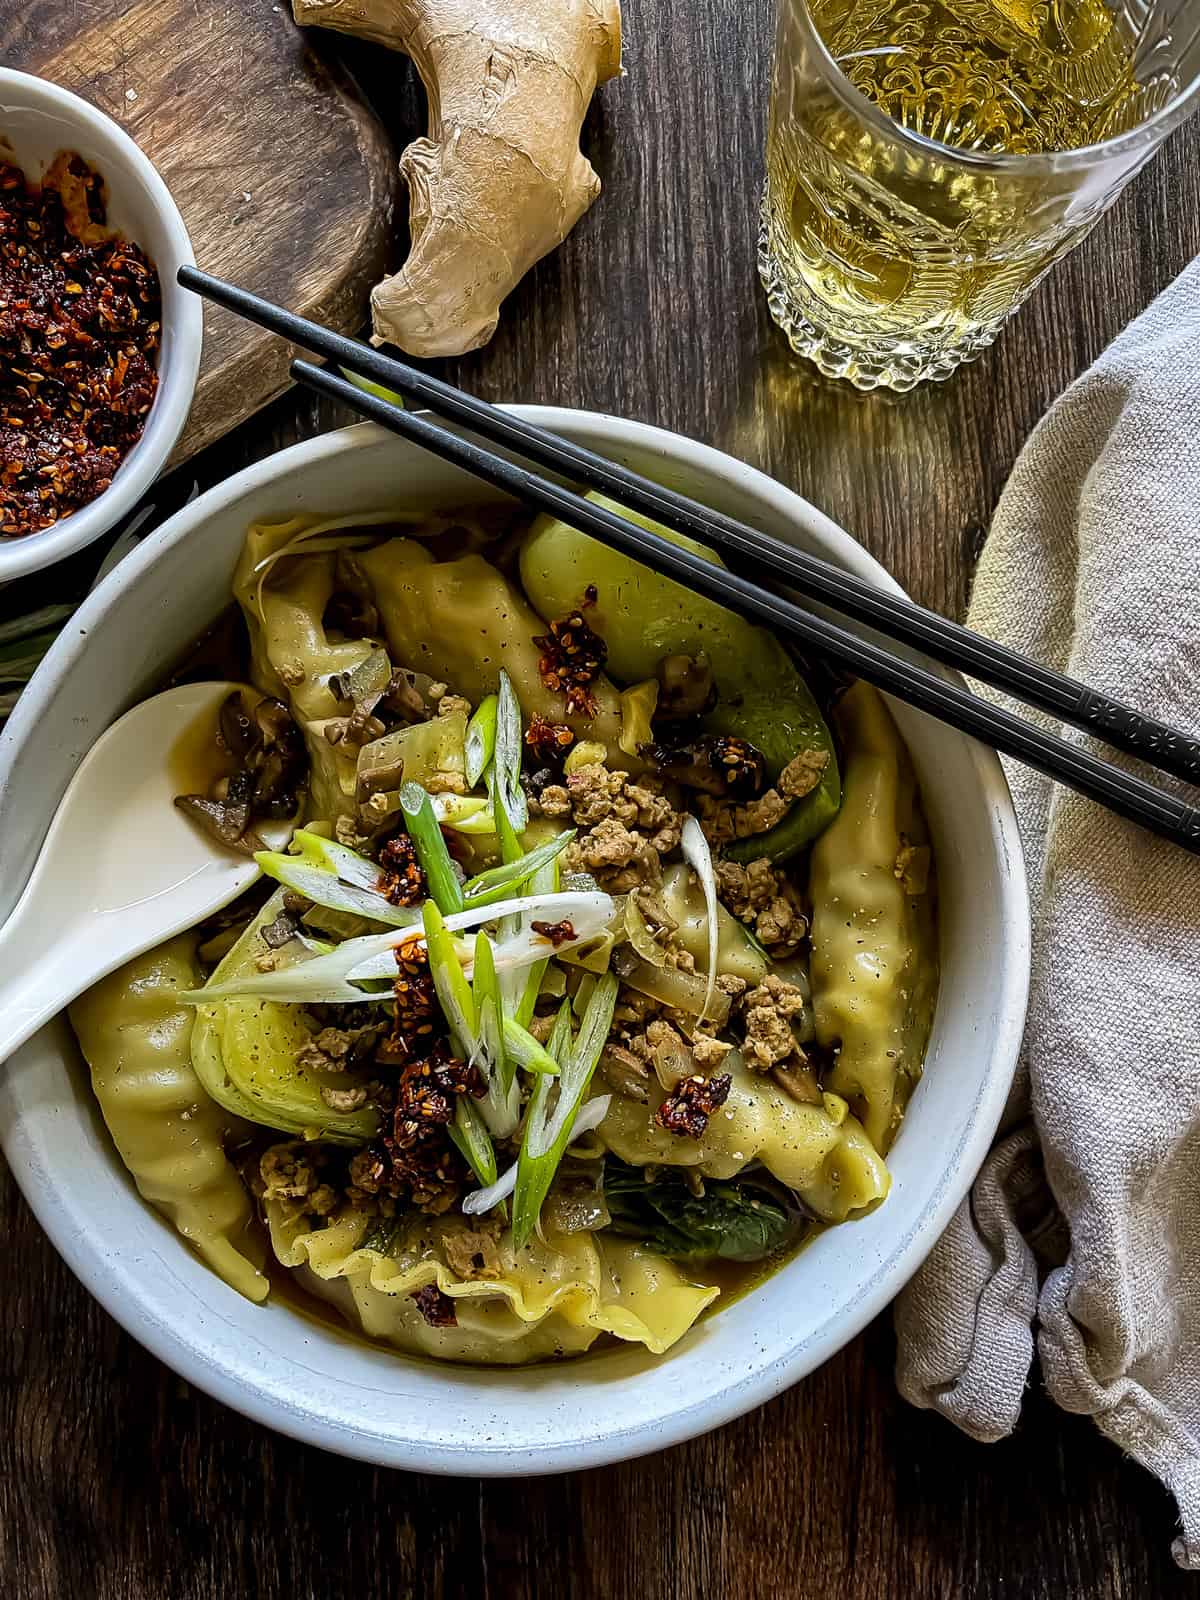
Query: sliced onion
<point x="699" y="857"/>
<point x="588" y="1117"/>
<point x="637" y="931"/>
<point x="685" y="991"/>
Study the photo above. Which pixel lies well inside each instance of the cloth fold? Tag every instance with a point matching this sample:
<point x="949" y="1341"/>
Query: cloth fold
<point x="1083" y="1228"/>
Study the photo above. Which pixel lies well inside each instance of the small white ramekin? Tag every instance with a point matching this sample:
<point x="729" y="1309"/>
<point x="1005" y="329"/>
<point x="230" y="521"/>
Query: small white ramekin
<point x="37" y="120"/>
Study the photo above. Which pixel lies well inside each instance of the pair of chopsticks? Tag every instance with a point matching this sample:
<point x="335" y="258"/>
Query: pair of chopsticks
<point x="1119" y="725"/>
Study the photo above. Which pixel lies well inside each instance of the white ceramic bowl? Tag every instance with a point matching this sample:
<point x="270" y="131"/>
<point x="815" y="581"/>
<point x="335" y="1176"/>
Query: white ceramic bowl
<point x="305" y="1379"/>
<point x="37" y="120"/>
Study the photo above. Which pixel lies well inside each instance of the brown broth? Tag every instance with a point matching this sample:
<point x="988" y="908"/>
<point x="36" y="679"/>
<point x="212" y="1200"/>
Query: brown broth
<point x="196" y="761"/>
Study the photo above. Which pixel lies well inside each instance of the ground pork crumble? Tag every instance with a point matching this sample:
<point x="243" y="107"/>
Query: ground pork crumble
<point x="767" y="1014"/>
<point x="628" y="825"/>
<point x="724" y="820"/>
<point x="767" y="901"/>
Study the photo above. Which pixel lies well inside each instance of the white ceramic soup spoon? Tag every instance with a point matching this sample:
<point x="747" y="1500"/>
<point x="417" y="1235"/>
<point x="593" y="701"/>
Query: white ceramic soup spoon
<point x="121" y="869"/>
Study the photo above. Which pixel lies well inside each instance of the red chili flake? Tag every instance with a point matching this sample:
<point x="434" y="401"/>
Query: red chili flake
<point x="548" y="740"/>
<point x="437" y="1308"/>
<point x="573" y="655"/>
<point x="557" y="932"/>
<point x="427" y="1091"/>
<point x="402" y="880"/>
<point x="414" y="1157"/>
<point x="80" y="329"/>
<point x="686" y="1112"/>
<point x="416" y="1017"/>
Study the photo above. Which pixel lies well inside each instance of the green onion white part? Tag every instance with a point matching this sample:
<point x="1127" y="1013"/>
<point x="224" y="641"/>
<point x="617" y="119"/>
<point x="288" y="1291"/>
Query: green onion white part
<point x="329" y="979"/>
<point x="547" y="1131"/>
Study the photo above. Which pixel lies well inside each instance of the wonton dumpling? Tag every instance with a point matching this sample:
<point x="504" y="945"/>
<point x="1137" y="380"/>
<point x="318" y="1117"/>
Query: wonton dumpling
<point x="874" y="958"/>
<point x="292" y="656"/>
<point x="462" y="621"/>
<point x="818" y="1150"/>
<point x="550" y="1298"/>
<point x="171" y="1136"/>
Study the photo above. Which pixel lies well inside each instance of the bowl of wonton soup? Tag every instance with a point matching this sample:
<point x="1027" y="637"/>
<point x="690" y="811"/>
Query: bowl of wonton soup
<point x="327" y="1387"/>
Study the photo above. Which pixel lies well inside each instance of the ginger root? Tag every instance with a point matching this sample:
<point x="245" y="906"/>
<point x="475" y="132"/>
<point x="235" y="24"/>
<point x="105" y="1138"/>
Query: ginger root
<point x="500" y="179"/>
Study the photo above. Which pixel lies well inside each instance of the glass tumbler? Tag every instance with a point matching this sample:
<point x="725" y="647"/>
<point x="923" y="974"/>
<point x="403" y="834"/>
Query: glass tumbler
<point x="929" y="160"/>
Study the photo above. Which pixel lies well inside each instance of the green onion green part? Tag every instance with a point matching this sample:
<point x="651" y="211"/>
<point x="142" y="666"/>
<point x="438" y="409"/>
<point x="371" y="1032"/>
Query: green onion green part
<point x="473" y="1141"/>
<point x="497" y="882"/>
<point x="449" y="980"/>
<point x="525" y="1051"/>
<point x="481" y="739"/>
<point x="431" y="848"/>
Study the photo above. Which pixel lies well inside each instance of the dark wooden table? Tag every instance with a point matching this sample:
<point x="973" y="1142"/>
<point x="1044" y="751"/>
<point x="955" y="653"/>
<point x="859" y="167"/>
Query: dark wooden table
<point x="117" y="1480"/>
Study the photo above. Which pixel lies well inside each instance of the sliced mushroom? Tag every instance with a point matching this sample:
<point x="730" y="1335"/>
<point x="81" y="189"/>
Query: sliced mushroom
<point x="800" y="1081"/>
<point x="405" y="699"/>
<point x="622" y="1071"/>
<point x="237" y="729"/>
<point x="214" y="818"/>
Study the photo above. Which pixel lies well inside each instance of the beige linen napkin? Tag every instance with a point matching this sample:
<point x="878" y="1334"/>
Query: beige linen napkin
<point x="1083" y="1228"/>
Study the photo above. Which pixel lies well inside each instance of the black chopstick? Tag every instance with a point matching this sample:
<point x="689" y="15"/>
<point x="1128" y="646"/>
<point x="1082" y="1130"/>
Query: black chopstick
<point x="1121" y="792"/>
<point x="1117" y="724"/>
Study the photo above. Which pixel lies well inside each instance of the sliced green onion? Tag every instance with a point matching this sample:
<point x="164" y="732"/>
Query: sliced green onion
<point x="548" y="1132"/>
<point x="431" y="848"/>
<point x="481" y="739"/>
<point x="485" y="991"/>
<point x="699" y="857"/>
<point x="348" y="864"/>
<point x="330" y="978"/>
<point x="509" y="750"/>
<point x="453" y="990"/>
<point x="473" y="1140"/>
<point x="482" y="1200"/>
<point x="368" y="387"/>
<point x="525" y="1051"/>
<point x="559" y="1042"/>
<point x="524" y="997"/>
<point x="511" y="848"/>
<point x="307" y="873"/>
<point x="494" y="884"/>
<point x="464" y="813"/>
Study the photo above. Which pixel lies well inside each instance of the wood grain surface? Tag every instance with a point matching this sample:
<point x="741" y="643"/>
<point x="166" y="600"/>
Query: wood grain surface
<point x="285" y="180"/>
<point x="118" y="1482"/>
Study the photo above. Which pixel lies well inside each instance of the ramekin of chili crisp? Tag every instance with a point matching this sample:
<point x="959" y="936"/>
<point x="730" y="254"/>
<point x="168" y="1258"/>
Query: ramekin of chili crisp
<point x="99" y="344"/>
<point x="80" y="332"/>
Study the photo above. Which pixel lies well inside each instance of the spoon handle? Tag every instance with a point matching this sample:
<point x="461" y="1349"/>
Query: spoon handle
<point x="42" y="969"/>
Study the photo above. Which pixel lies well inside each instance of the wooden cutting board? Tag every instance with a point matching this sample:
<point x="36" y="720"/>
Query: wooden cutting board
<point x="286" y="181"/>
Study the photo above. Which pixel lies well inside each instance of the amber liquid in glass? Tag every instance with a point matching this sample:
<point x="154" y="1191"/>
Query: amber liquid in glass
<point x="876" y="245"/>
